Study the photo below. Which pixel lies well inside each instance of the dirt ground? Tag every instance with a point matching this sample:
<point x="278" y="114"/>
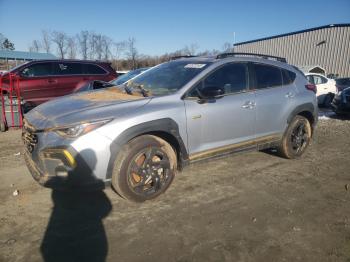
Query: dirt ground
<point x="248" y="207"/>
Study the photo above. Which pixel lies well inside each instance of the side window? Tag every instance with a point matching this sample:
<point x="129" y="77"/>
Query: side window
<point x="91" y="69"/>
<point x="267" y="76"/>
<point x="288" y="77"/>
<point x="319" y="80"/>
<point x="40" y="69"/>
<point x="232" y="78"/>
<point x="310" y="79"/>
<point x="62" y="68"/>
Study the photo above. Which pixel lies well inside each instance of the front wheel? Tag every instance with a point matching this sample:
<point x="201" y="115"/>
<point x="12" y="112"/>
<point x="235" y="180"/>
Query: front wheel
<point x="144" y="168"/>
<point x="296" y="138"/>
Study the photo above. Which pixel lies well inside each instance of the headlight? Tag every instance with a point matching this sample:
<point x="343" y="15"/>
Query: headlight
<point x="79" y="129"/>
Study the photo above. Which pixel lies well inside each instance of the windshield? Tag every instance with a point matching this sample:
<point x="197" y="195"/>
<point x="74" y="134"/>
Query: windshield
<point x="167" y="78"/>
<point x="123" y="78"/>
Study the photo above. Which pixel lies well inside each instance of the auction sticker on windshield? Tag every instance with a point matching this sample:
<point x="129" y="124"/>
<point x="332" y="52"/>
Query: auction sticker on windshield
<point x="195" y="65"/>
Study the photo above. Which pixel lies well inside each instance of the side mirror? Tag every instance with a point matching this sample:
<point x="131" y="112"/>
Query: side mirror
<point x="210" y="92"/>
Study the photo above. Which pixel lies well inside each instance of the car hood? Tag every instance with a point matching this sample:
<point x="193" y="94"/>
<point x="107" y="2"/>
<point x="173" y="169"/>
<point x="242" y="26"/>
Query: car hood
<point x="83" y="107"/>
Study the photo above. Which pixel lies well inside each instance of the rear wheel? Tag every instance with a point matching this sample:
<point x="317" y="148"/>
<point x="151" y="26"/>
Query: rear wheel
<point x="144" y="168"/>
<point x="296" y="138"/>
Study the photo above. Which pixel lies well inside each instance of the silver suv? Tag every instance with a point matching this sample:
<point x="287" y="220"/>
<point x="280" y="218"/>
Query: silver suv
<point x="138" y="135"/>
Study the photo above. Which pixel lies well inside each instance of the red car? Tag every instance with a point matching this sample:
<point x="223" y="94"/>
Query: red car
<point x="43" y="80"/>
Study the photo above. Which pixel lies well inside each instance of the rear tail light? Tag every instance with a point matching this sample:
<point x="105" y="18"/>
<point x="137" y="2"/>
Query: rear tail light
<point x="311" y="87"/>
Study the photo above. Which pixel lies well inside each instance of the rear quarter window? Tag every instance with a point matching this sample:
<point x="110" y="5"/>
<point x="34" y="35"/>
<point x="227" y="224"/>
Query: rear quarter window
<point x="267" y="76"/>
<point x="91" y="69"/>
<point x="288" y="77"/>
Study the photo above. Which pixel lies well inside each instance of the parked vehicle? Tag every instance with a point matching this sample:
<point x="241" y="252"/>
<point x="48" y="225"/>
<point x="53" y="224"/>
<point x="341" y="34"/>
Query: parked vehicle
<point x="44" y="80"/>
<point x="326" y="88"/>
<point x="342" y="83"/>
<point x="97" y="84"/>
<point x="138" y="135"/>
<point x="341" y="102"/>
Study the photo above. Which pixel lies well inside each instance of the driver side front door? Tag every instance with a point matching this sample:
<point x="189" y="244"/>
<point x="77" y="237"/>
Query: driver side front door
<point x="225" y="122"/>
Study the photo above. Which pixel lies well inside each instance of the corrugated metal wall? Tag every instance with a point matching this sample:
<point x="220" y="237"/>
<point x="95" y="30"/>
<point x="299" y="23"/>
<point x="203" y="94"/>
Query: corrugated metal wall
<point x="307" y="49"/>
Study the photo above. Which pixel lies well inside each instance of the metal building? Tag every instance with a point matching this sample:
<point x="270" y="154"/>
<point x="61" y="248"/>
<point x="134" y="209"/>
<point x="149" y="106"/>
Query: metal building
<point x="327" y="47"/>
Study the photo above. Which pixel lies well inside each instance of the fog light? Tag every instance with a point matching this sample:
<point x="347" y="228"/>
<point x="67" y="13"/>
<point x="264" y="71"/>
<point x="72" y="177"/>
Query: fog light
<point x="69" y="158"/>
<point x="61" y="154"/>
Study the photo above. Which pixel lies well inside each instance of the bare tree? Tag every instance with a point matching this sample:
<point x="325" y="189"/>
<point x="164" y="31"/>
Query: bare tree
<point x="98" y="46"/>
<point x="119" y="48"/>
<point x="2" y="39"/>
<point x="83" y="41"/>
<point x="132" y="51"/>
<point x="190" y="50"/>
<point x="106" y="47"/>
<point x="35" y="46"/>
<point x="46" y="41"/>
<point x="92" y="45"/>
<point x="227" y="47"/>
<point x="71" y="48"/>
<point x="60" y="39"/>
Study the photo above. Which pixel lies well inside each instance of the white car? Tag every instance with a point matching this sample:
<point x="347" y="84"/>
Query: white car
<point x="326" y="88"/>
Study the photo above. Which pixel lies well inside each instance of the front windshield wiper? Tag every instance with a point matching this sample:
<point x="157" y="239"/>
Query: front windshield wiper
<point x="143" y="91"/>
<point x="127" y="89"/>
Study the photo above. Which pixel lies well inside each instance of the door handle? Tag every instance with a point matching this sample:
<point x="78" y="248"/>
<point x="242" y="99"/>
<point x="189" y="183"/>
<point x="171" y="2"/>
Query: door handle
<point x="52" y="81"/>
<point x="290" y="95"/>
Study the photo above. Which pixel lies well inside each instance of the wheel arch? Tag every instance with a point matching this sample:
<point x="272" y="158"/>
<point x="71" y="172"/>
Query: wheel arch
<point x="166" y="129"/>
<point x="308" y="111"/>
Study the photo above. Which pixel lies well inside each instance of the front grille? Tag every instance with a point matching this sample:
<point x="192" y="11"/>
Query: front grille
<point x="30" y="139"/>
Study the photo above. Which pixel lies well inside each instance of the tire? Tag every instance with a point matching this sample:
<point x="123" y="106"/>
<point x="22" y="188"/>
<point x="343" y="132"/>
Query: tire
<point x="328" y="100"/>
<point x="144" y="168"/>
<point x="296" y="138"/>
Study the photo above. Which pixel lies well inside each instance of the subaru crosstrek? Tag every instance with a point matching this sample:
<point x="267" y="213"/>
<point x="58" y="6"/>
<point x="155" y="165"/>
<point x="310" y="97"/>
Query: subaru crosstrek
<point x="138" y="135"/>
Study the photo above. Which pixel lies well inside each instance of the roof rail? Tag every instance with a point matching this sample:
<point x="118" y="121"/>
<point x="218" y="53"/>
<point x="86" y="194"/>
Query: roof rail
<point x="277" y="58"/>
<point x="182" y="56"/>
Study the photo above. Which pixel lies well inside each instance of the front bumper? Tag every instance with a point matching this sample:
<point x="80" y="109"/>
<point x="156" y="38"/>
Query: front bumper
<point x="59" y="163"/>
<point x="61" y="175"/>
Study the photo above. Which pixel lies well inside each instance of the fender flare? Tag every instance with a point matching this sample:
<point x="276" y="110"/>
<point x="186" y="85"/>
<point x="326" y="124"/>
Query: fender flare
<point x="165" y="126"/>
<point x="307" y="107"/>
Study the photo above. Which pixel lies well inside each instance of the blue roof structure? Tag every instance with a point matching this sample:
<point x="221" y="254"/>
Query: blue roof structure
<point x="21" y="55"/>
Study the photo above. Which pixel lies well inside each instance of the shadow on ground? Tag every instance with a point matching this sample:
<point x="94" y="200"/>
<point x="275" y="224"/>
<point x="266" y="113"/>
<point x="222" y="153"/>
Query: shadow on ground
<point x="75" y="231"/>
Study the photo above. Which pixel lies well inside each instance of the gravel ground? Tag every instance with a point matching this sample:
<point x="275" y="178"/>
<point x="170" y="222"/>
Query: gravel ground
<point x="248" y="207"/>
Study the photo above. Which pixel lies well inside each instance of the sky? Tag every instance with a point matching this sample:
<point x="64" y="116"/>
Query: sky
<point x="161" y="26"/>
